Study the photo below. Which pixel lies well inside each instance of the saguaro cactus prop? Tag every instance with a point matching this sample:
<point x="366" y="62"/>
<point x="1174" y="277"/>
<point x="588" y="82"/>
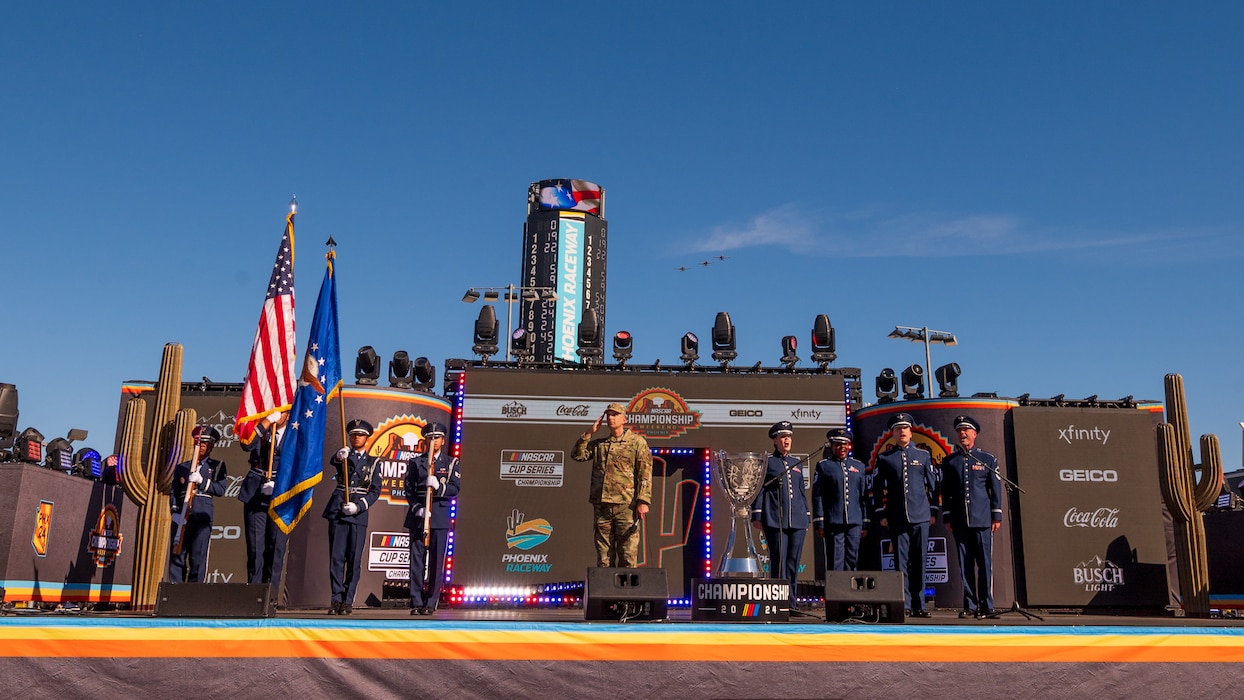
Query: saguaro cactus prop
<point x="147" y="479"/>
<point x="1186" y="496"/>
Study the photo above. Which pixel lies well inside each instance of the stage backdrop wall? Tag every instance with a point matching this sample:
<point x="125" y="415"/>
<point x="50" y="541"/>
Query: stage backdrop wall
<point x="1091" y="507"/>
<point x="934" y="431"/>
<point x="524" y="517"/>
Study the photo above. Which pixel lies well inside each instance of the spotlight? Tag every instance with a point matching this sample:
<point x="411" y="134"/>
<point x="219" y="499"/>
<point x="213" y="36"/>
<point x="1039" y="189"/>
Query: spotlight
<point x="522" y="345"/>
<point x="622" y="346"/>
<point x="59" y="456"/>
<point x="29" y="446"/>
<point x="425" y="374"/>
<point x="948" y="380"/>
<point x="824" y="348"/>
<point x="485" y="337"/>
<point x="723" y="339"/>
<point x="887" y="386"/>
<point x="589" y="337"/>
<point x="88" y="464"/>
<point x="913" y="383"/>
<point x="690" y="349"/>
<point x="8" y="414"/>
<point x="400" y="370"/>
<point x="367" y="366"/>
<point x="471" y="296"/>
<point x="789" y="358"/>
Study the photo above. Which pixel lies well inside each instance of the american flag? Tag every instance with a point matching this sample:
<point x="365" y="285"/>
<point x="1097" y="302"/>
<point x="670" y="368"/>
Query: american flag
<point x="269" y="384"/>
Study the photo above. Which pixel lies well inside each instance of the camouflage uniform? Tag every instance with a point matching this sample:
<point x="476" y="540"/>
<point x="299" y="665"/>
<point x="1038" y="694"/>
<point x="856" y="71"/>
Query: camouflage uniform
<point x="621" y="480"/>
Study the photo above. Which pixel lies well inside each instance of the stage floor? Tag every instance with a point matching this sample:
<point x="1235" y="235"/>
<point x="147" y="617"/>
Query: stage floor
<point x="554" y="653"/>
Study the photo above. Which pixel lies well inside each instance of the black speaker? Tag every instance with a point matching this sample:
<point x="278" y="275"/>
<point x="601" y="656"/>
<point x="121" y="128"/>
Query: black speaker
<point x="873" y="596"/>
<point x="626" y="594"/>
<point x="215" y="600"/>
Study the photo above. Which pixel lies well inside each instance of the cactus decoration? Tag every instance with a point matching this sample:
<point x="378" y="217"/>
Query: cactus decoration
<point x="147" y="479"/>
<point x="1186" y="496"/>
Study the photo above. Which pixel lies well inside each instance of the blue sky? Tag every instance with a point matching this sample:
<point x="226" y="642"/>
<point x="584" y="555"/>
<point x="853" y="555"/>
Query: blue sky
<point x="1056" y="183"/>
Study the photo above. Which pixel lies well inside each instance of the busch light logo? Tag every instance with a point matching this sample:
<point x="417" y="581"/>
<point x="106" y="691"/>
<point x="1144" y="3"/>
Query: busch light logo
<point x="1097" y="575"/>
<point x="514" y="409"/>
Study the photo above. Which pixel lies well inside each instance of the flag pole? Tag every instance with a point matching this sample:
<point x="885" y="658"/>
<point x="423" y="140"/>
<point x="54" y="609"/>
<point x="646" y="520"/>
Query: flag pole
<point x="331" y="255"/>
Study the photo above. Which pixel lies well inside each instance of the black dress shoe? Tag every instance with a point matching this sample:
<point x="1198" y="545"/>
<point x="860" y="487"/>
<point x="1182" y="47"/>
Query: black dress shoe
<point x="416" y="611"/>
<point x="347" y="609"/>
<point x="984" y="614"/>
<point x="964" y="614"/>
<point x="920" y="613"/>
<point x="334" y="608"/>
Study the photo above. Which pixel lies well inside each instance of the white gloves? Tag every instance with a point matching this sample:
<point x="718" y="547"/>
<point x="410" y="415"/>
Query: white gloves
<point x="196" y="478"/>
<point x="350" y="508"/>
<point x="342" y="454"/>
<point x="434" y="483"/>
<point x="267" y="488"/>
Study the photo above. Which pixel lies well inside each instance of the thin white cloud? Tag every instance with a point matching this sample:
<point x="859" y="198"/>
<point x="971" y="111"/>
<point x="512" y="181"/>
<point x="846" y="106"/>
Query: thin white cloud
<point x="873" y="233"/>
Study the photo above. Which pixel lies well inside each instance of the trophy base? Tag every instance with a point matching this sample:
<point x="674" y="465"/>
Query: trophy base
<point x="740" y="567"/>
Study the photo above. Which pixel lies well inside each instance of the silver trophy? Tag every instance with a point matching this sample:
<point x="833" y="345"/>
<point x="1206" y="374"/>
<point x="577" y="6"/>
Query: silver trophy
<point x="740" y="475"/>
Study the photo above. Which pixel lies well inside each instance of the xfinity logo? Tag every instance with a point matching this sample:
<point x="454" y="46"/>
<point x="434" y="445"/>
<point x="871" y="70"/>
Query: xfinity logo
<point x="745" y="413"/>
<point x="1092" y="475"/>
<point x="805" y="413"/>
<point x="1093" y="434"/>
<point x="1100" y="518"/>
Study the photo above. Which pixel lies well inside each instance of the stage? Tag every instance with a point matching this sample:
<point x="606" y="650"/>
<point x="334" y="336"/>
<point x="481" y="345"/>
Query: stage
<point x="553" y="653"/>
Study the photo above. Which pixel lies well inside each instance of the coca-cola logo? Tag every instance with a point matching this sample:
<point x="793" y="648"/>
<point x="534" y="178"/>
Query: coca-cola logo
<point x="1100" y="518"/>
<point x="576" y="410"/>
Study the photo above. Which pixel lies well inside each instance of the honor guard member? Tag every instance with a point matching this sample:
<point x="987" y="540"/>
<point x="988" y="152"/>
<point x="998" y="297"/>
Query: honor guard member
<point x="972" y="507"/>
<point x="265" y="542"/>
<point x="781" y="508"/>
<point x="839" y="511"/>
<point x="441" y="482"/>
<point x="905" y="494"/>
<point x="190" y="564"/>
<point x="347" y="515"/>
<point x="621" y="486"/>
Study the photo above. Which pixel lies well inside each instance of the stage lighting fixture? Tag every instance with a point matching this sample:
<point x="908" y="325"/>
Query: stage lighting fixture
<point x="522" y="345"/>
<point x="29" y="446"/>
<point x="471" y="296"/>
<point x="622" y="346"/>
<point x="948" y="380"/>
<point x="367" y="366"/>
<point x="824" y="348"/>
<point x="8" y="414"/>
<point x="913" y="383"/>
<point x="887" y="386"/>
<point x="690" y="349"/>
<point x="485" y="337"/>
<point x="789" y="358"/>
<point x="590" y="343"/>
<point x="59" y="456"/>
<point x="87" y="463"/>
<point x="400" y="370"/>
<point x="723" y="339"/>
<point x="425" y="373"/>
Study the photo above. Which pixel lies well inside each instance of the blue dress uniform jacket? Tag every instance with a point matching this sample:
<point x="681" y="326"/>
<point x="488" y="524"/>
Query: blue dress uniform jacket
<point x="448" y="473"/>
<point x="364" y="488"/>
<point x="905" y="485"/>
<point x="838" y="493"/>
<point x="191" y="564"/>
<point x="782" y="502"/>
<point x="250" y="492"/>
<point x="971" y="489"/>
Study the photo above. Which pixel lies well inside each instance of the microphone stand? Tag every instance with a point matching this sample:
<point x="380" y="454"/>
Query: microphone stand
<point x="1011" y="488"/>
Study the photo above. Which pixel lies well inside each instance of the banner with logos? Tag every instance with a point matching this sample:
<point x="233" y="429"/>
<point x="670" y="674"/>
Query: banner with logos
<point x="523" y="516"/>
<point x="1091" y="507"/>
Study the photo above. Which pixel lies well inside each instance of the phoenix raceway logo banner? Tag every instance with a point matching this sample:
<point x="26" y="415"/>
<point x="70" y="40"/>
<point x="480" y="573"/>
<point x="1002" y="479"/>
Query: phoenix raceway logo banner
<point x="524" y="534"/>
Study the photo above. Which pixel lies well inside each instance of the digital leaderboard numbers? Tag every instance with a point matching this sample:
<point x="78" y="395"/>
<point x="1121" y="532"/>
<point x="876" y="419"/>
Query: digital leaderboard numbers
<point x="563" y="252"/>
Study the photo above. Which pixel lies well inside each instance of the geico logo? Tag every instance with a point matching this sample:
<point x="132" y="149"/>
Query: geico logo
<point x="1098" y="475"/>
<point x="745" y="413"/>
<point x="226" y="532"/>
